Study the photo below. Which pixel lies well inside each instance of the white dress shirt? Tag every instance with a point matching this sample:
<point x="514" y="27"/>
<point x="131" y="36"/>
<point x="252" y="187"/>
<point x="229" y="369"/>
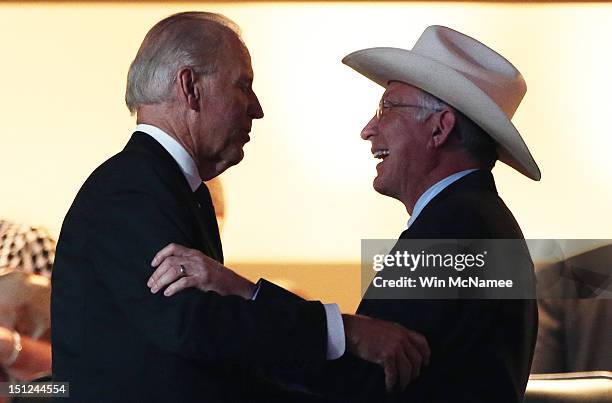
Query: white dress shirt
<point x="336" y="343"/>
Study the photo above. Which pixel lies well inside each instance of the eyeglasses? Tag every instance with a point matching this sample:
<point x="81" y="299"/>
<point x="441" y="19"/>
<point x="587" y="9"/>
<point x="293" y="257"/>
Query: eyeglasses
<point x="384" y="105"/>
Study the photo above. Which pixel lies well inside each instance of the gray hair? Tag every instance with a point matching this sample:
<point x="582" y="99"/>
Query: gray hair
<point x="190" y="39"/>
<point x="428" y="104"/>
<point x="472" y="138"/>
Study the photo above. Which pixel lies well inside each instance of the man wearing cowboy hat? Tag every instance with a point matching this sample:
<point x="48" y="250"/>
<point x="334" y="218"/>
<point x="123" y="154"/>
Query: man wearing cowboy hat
<point x="442" y="122"/>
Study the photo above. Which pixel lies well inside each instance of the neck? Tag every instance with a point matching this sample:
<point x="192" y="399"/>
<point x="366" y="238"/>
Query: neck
<point x="160" y="116"/>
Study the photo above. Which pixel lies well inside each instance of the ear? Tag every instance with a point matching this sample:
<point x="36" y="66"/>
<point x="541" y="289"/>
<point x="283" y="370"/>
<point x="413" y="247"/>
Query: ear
<point x="188" y="90"/>
<point x="442" y="127"/>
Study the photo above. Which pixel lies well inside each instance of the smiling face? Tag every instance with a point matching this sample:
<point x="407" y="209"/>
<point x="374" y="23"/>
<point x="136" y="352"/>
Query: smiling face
<point x="403" y="144"/>
<point x="227" y="108"/>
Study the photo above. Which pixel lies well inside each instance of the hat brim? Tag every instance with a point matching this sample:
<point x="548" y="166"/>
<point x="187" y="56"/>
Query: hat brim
<point x="383" y="65"/>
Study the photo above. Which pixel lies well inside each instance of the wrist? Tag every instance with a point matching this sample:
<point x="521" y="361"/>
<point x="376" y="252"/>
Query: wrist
<point x="349" y="324"/>
<point x="354" y="326"/>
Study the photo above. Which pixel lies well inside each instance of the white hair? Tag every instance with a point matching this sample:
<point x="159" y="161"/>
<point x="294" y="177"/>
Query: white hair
<point x="190" y="39"/>
<point x="428" y="104"/>
<point x="474" y="140"/>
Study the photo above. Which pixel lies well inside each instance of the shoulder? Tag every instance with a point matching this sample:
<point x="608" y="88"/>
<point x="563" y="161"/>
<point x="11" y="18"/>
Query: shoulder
<point x="469" y="215"/>
<point x="134" y="169"/>
<point x="134" y="174"/>
<point x="126" y="167"/>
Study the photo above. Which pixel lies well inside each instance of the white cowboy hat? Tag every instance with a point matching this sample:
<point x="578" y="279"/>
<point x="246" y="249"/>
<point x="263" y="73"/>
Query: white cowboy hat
<point x="464" y="73"/>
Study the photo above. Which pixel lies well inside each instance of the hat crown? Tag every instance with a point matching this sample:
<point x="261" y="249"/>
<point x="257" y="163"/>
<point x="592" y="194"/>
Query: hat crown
<point x="487" y="69"/>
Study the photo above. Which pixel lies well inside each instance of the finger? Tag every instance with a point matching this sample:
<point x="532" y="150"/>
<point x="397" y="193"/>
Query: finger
<point x="161" y="269"/>
<point x="413" y="357"/>
<point x="170" y="270"/>
<point x="404" y="369"/>
<point x="171" y="275"/>
<point x="420" y="342"/>
<point x="390" y="375"/>
<point x="180" y="284"/>
<point x="172" y="249"/>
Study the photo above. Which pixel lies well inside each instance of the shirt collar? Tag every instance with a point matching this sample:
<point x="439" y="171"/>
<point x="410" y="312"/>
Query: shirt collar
<point x="176" y="150"/>
<point x="433" y="191"/>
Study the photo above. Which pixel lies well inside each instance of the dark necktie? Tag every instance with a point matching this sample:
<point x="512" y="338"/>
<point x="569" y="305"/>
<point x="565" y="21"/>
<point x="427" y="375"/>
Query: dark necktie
<point x="207" y="212"/>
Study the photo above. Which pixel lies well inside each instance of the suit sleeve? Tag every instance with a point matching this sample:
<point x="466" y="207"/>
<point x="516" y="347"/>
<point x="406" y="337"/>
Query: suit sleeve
<point x="128" y="220"/>
<point x="347" y="379"/>
<point x="271" y="293"/>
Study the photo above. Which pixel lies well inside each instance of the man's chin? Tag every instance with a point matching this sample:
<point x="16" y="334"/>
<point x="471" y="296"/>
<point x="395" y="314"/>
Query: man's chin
<point x="218" y="168"/>
<point x="224" y="165"/>
<point x="240" y="156"/>
<point x="232" y="160"/>
<point x="379" y="186"/>
<point x="236" y="158"/>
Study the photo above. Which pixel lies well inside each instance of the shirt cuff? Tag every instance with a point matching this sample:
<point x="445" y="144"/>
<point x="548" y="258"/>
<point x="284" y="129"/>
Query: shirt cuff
<point x="336" y="342"/>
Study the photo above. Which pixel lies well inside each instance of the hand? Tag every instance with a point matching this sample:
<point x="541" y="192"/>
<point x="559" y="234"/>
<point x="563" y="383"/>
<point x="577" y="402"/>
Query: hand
<point x="200" y="272"/>
<point x="401" y="352"/>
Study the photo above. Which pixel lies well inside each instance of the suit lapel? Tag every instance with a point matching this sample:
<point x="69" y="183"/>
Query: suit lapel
<point x="210" y="243"/>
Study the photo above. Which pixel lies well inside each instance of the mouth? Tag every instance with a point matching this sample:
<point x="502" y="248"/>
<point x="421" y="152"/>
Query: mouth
<point x="380" y="153"/>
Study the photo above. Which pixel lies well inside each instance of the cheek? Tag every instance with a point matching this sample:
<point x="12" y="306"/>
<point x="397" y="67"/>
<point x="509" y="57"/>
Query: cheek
<point x="392" y="130"/>
<point x="233" y="116"/>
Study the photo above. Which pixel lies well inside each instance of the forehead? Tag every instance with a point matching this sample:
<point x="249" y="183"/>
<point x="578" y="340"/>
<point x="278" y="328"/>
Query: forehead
<point x="400" y="90"/>
<point x="236" y="55"/>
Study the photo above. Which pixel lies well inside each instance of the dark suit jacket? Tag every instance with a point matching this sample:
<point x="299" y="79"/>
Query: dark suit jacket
<point x="114" y="341"/>
<point x="481" y="350"/>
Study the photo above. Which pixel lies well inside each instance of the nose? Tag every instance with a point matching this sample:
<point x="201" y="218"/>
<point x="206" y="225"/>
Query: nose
<point x="370" y="129"/>
<point x="255" y="109"/>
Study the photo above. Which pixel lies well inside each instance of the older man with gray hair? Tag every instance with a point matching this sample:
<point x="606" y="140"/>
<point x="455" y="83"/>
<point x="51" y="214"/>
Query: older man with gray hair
<point x="115" y="337"/>
<point x="442" y="123"/>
